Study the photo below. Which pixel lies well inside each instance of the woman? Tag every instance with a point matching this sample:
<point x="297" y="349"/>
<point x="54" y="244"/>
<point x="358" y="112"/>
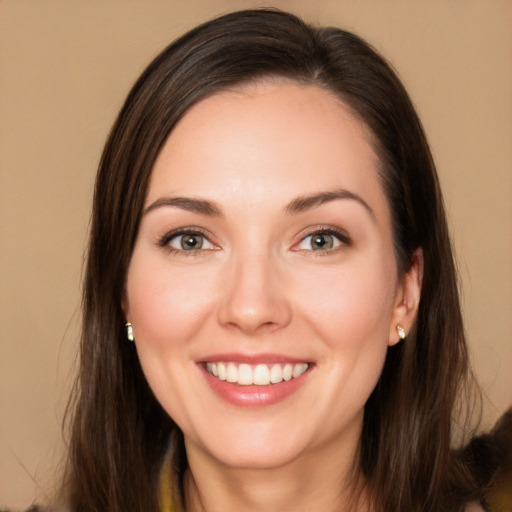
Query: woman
<point x="269" y="234"/>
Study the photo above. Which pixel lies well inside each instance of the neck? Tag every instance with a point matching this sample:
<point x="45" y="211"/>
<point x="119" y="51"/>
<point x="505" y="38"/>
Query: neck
<point x="315" y="481"/>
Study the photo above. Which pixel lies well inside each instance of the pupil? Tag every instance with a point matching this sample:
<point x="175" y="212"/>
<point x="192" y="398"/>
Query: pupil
<point x="191" y="242"/>
<point x="322" y="242"/>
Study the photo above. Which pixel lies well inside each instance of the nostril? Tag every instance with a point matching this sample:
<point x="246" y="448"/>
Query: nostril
<point x="253" y="300"/>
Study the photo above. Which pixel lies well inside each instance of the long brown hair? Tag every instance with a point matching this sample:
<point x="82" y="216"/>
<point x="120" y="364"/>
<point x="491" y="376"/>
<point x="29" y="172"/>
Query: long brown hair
<point x="119" y="432"/>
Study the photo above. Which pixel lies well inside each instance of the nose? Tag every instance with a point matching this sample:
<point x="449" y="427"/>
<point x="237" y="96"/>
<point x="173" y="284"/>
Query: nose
<point x="254" y="299"/>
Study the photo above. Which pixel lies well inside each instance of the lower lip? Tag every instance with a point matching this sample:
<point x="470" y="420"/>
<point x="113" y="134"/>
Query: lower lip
<point x="255" y="396"/>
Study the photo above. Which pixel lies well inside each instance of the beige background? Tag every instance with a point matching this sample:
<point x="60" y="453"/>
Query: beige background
<point x="65" y="69"/>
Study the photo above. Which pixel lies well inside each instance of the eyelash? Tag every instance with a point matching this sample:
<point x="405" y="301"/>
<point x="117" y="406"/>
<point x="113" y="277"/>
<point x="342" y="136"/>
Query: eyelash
<point x="342" y="238"/>
<point x="165" y="240"/>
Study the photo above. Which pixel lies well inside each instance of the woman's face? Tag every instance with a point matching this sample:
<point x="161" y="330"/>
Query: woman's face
<point x="263" y="288"/>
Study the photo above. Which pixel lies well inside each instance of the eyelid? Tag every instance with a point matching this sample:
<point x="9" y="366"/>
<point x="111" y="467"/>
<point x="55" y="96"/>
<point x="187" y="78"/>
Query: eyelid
<point x="341" y="235"/>
<point x="165" y="239"/>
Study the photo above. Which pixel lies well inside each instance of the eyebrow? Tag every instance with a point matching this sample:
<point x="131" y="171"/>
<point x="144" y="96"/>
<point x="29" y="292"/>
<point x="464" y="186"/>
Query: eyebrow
<point x="298" y="205"/>
<point x="308" y="202"/>
<point x="201" y="206"/>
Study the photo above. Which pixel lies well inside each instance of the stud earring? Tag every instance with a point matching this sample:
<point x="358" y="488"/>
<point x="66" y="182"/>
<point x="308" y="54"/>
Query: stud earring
<point x="129" y="331"/>
<point x="401" y="331"/>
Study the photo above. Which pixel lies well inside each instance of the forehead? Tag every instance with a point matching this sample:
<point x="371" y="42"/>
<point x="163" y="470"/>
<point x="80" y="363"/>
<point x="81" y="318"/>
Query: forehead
<point x="266" y="139"/>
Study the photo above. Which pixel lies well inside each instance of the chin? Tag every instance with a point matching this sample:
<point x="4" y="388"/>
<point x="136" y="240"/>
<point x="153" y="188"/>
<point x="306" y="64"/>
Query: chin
<point x="269" y="457"/>
<point x="251" y="449"/>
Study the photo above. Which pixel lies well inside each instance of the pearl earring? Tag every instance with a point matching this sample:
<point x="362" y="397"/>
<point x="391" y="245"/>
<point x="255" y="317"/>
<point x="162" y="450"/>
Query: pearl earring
<point x="129" y="331"/>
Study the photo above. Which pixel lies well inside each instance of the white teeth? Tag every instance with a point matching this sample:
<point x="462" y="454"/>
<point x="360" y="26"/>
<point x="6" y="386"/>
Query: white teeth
<point x="221" y="370"/>
<point x="261" y="374"/>
<point x="299" y="369"/>
<point x="244" y="375"/>
<point x="276" y="374"/>
<point x="231" y="373"/>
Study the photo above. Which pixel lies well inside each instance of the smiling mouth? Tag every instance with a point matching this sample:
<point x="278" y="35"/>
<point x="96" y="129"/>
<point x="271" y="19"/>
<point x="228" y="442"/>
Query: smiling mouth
<point x="258" y="374"/>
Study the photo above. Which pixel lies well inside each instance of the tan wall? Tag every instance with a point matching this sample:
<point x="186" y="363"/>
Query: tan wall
<point x="65" y="68"/>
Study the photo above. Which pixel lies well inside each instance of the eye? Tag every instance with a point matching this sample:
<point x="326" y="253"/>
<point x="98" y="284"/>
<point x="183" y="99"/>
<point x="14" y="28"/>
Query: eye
<point x="325" y="240"/>
<point x="187" y="241"/>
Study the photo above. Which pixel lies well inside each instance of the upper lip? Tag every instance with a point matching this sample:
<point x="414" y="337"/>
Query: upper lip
<point x="264" y="358"/>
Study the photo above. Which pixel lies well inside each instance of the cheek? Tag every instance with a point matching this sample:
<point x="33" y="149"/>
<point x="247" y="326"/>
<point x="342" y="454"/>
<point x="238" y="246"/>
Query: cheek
<point x="167" y="306"/>
<point x="352" y="305"/>
<point x="351" y="317"/>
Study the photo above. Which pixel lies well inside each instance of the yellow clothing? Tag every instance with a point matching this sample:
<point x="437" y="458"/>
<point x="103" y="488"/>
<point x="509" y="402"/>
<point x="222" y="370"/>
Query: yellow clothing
<point x="168" y="502"/>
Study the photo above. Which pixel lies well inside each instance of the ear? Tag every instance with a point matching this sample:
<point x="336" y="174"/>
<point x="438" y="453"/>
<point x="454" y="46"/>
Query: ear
<point x="407" y="298"/>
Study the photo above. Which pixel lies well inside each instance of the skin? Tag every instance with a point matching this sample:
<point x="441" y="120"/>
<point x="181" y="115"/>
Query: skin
<point x="259" y="286"/>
